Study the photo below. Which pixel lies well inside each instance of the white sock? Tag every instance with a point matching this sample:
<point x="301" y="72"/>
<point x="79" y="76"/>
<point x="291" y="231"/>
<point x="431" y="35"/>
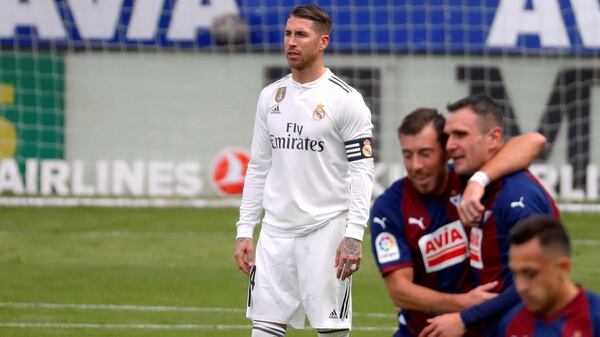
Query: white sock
<point x="333" y="332"/>
<point x="267" y="329"/>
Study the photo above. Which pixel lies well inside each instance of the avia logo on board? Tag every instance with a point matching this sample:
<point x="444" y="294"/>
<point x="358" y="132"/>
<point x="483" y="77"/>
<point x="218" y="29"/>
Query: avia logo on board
<point x="229" y="171"/>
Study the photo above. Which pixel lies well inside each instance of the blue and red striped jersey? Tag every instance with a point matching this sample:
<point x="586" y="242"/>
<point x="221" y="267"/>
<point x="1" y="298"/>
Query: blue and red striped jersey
<point x="506" y="201"/>
<point x="412" y="230"/>
<point x="580" y="318"/>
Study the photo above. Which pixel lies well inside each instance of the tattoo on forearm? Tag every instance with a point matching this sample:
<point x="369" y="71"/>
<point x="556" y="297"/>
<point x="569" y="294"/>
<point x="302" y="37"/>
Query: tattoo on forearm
<point x="350" y="247"/>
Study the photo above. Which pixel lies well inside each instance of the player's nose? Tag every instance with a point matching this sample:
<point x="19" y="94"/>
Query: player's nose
<point x="415" y="163"/>
<point x="451" y="144"/>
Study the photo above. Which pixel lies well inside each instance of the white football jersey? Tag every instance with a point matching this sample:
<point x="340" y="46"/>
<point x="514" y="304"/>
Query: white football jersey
<point x="311" y="158"/>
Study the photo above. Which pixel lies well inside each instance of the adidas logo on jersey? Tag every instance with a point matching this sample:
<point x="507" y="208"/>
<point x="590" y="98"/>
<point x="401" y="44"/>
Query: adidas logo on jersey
<point x="275" y="110"/>
<point x="333" y="315"/>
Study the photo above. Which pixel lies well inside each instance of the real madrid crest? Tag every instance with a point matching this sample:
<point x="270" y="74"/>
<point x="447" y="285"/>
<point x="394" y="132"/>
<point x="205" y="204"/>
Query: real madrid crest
<point x="319" y="112"/>
<point x="280" y="95"/>
<point x="367" y="150"/>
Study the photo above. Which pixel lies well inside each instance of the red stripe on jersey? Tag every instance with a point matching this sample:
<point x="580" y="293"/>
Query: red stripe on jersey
<point x="577" y="314"/>
<point x="490" y="249"/>
<point x="573" y="320"/>
<point x="522" y="324"/>
<point x="453" y="188"/>
<point x="460" y="250"/>
<point x="446" y="249"/>
<point x="555" y="210"/>
<point x="413" y="206"/>
<point x="388" y="269"/>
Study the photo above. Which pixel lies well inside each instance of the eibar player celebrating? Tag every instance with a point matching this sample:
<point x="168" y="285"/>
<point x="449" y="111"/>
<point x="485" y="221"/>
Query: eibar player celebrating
<point x="311" y="171"/>
<point x="475" y="133"/>
<point x="419" y="245"/>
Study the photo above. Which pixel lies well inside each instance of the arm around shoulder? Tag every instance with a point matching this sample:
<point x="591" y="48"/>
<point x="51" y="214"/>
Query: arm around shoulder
<point x="515" y="155"/>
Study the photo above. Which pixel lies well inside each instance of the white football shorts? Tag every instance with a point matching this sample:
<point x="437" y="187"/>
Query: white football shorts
<point x="295" y="277"/>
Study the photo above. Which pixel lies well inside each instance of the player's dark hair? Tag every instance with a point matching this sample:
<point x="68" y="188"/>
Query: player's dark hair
<point x="316" y="14"/>
<point x="484" y="107"/>
<point x="418" y="119"/>
<point x="549" y="230"/>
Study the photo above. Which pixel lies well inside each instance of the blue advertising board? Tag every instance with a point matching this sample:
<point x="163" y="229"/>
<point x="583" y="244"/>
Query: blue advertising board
<point x="419" y="26"/>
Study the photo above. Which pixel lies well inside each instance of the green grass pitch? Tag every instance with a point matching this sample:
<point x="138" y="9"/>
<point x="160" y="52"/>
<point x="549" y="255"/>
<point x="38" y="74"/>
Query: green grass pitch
<point x="164" y="272"/>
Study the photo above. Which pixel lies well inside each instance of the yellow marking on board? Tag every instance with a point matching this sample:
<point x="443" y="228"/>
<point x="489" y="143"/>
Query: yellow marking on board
<point x="8" y="139"/>
<point x="7" y="93"/>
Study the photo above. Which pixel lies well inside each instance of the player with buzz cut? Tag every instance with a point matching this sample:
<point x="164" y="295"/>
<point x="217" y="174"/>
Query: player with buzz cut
<point x="475" y="134"/>
<point x="311" y="171"/>
<point x="551" y="304"/>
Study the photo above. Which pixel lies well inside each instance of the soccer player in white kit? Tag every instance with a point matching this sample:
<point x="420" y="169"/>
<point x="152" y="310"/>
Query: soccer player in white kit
<point x="311" y="172"/>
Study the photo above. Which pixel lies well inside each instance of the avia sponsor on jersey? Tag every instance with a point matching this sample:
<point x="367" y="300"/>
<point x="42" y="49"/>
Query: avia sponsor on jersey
<point x="445" y="247"/>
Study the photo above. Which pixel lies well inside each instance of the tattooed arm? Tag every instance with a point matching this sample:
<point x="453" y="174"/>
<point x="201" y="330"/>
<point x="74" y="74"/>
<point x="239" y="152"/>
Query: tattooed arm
<point x="347" y="257"/>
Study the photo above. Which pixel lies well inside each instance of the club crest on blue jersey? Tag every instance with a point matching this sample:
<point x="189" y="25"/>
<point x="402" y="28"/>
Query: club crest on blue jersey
<point x="387" y="247"/>
<point x="455" y="199"/>
<point x="280" y="95"/>
<point x="319" y="112"/>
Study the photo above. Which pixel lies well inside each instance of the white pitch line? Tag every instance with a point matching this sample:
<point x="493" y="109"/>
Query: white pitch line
<point x="586" y="242"/>
<point x="115" y="307"/>
<point x="144" y="326"/>
<point x="122" y="326"/>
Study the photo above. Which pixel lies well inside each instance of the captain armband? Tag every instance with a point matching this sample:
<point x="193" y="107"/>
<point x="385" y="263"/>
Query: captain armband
<point x="358" y="149"/>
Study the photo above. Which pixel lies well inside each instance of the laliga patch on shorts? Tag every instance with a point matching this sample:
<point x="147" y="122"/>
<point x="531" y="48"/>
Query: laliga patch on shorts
<point x="475" y="241"/>
<point x="386" y="247"/>
<point x="445" y="247"/>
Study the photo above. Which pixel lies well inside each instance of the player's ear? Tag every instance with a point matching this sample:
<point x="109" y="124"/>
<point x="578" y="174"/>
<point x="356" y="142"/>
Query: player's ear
<point x="495" y="134"/>
<point x="565" y="263"/>
<point x="324" y="42"/>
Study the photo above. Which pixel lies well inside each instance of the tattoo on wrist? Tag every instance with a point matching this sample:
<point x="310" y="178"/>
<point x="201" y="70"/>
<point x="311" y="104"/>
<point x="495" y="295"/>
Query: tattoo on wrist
<point x="350" y="247"/>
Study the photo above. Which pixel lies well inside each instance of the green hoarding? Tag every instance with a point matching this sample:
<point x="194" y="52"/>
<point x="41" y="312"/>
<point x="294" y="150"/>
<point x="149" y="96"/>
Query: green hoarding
<point x="31" y="106"/>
